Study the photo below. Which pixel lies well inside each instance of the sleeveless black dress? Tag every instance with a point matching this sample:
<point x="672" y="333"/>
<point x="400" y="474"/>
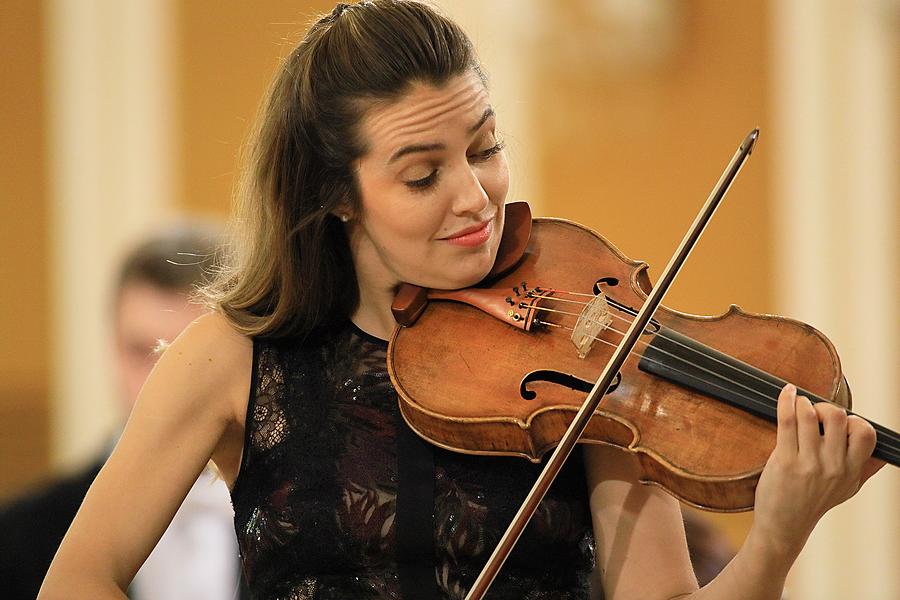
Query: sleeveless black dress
<point x="315" y="497"/>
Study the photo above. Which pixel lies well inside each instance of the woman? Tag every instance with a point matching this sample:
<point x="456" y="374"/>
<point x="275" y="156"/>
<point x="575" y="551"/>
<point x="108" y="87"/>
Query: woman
<point x="376" y="161"/>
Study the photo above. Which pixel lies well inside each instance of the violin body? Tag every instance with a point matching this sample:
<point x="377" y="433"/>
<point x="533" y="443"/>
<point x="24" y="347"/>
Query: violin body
<point x="459" y="372"/>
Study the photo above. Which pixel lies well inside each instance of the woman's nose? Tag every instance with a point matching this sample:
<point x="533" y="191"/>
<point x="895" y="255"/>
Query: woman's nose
<point x="470" y="196"/>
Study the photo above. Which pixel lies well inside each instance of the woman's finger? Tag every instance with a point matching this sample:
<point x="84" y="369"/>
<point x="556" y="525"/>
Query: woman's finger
<point x="860" y="442"/>
<point x="834" y="422"/>
<point x="786" y="434"/>
<point x="808" y="438"/>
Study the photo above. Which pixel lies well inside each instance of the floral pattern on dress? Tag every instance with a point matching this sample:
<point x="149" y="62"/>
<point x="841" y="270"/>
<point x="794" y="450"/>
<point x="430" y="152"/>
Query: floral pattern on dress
<point x="315" y="500"/>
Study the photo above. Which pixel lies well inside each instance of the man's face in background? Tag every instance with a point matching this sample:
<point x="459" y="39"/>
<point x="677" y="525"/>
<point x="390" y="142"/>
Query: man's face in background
<point x="145" y="314"/>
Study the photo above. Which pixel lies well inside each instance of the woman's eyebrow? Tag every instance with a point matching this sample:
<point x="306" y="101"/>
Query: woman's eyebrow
<point x="414" y="148"/>
<point x="487" y="114"/>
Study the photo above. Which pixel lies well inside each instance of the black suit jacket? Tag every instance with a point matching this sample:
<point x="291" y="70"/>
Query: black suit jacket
<point x="31" y="529"/>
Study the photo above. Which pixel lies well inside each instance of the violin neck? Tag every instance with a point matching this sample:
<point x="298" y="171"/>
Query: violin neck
<point x="687" y="362"/>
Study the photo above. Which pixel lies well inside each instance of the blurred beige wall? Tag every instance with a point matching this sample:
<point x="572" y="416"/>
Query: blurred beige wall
<point x="620" y="115"/>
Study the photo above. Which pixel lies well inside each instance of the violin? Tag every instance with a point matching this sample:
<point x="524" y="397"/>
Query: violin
<point x="502" y="367"/>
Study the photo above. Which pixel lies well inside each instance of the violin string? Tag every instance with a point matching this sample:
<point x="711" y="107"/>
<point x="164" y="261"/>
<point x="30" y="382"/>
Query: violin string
<point x="885" y="439"/>
<point x="690" y="363"/>
<point x="774" y="387"/>
<point x="749" y="399"/>
<point x="661" y="334"/>
<point x="674" y="356"/>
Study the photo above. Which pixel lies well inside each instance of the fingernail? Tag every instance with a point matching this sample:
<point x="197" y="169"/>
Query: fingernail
<point x="791" y="388"/>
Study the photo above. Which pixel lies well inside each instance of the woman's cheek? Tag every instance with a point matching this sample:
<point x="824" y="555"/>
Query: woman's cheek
<point x="499" y="184"/>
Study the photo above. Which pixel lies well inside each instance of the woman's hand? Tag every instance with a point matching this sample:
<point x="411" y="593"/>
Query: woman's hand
<point x="809" y="472"/>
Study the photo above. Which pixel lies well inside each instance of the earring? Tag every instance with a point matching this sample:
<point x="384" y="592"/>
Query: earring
<point x="345" y="217"/>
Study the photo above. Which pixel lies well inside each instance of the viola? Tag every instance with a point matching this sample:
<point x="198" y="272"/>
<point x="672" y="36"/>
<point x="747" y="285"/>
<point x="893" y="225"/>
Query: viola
<point x="502" y="367"/>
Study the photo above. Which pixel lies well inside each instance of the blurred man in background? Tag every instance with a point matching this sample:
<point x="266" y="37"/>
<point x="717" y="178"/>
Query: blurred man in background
<point x="197" y="557"/>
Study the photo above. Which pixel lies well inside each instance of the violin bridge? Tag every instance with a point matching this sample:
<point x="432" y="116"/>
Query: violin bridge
<point x="593" y="319"/>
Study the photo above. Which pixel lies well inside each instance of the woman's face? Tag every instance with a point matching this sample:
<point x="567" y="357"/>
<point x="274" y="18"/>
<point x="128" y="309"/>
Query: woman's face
<point x="432" y="186"/>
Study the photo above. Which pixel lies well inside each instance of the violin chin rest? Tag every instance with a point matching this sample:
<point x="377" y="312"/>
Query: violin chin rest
<point x="514" y="242"/>
<point x="409" y="302"/>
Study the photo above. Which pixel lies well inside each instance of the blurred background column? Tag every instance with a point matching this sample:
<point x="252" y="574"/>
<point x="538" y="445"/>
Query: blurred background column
<point x="110" y="136"/>
<point x="836" y="97"/>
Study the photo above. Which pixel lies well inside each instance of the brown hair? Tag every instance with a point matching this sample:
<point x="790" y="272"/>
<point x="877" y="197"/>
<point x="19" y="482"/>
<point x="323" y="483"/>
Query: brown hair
<point x="291" y="271"/>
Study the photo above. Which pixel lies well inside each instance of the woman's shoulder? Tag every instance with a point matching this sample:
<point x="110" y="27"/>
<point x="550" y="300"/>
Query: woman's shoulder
<point x="210" y="354"/>
<point x="215" y="330"/>
<point x="213" y="338"/>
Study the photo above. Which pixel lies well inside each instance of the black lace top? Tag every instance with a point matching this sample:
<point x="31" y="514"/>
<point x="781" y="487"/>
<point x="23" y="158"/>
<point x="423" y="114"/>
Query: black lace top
<point x="316" y="494"/>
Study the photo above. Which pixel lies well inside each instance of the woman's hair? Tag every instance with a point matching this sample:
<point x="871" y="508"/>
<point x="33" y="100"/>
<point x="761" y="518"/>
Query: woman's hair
<point x="289" y="271"/>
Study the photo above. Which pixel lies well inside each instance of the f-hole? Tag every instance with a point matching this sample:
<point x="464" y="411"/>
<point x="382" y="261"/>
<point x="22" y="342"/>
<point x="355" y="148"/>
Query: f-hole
<point x="610" y="281"/>
<point x="563" y="379"/>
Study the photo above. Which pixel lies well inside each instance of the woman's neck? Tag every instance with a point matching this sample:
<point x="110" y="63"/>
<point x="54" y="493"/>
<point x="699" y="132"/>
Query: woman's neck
<point x="373" y="314"/>
<point x="377" y="287"/>
<point x="374" y="321"/>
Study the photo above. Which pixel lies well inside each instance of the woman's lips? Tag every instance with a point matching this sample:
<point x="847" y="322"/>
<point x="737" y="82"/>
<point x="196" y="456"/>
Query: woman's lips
<point x="472" y="236"/>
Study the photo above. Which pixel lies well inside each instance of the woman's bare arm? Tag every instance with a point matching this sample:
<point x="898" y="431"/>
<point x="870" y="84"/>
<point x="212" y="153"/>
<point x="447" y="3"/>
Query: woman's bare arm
<point x="641" y="549"/>
<point x="638" y="530"/>
<point x="188" y="411"/>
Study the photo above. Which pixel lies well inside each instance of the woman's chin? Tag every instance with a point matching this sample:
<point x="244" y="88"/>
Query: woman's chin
<point x="456" y="272"/>
<point x="466" y="280"/>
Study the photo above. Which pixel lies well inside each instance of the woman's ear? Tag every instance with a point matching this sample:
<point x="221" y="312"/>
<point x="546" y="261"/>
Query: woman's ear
<point x="344" y="212"/>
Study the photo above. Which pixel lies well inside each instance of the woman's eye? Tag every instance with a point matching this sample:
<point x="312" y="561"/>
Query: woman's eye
<point x="489" y="153"/>
<point x="424" y="182"/>
<point x="428" y="181"/>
